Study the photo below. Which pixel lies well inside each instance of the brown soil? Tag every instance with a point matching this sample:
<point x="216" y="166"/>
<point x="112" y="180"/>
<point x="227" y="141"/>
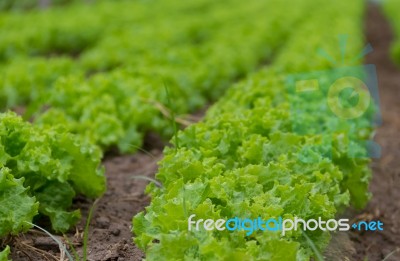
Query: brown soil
<point x="385" y="203"/>
<point x="110" y="235"/>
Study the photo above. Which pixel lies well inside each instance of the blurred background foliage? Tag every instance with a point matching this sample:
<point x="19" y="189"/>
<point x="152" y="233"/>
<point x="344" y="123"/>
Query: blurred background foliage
<point x="26" y="5"/>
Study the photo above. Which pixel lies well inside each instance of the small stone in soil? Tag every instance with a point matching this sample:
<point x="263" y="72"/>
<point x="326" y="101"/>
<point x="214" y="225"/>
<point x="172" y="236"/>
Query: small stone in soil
<point x="103" y="222"/>
<point x="116" y="232"/>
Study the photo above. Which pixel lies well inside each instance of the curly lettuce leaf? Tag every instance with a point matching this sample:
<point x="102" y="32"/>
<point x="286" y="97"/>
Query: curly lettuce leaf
<point x="4" y="254"/>
<point x="55" y="198"/>
<point x="16" y="205"/>
<point x="55" y="165"/>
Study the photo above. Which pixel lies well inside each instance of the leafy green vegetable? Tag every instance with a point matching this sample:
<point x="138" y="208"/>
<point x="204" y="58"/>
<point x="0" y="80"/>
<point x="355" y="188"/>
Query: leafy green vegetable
<point x="16" y="205"/>
<point x="4" y="254"/>
<point x="54" y="166"/>
<point x="112" y="93"/>
<point x="262" y="152"/>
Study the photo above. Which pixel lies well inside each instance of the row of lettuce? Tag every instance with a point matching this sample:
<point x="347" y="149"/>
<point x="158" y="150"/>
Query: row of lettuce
<point x="268" y="150"/>
<point x="391" y="8"/>
<point x="88" y="88"/>
<point x="114" y="90"/>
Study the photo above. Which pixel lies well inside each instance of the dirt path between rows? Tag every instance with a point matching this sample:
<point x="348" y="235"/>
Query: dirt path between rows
<point x="110" y="237"/>
<point x="385" y="203"/>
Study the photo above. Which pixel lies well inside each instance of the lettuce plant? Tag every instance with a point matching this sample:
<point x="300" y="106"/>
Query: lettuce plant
<point x="251" y="157"/>
<point x="42" y="169"/>
<point x="129" y="69"/>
